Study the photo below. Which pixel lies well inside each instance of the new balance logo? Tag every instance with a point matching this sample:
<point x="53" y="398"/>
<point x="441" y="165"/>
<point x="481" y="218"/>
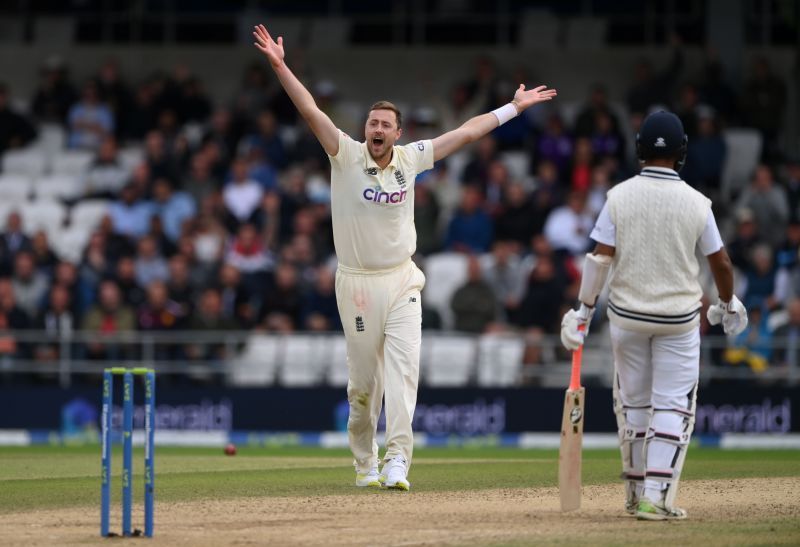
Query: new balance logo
<point x="372" y="171"/>
<point x="412" y="299"/>
<point x="660" y="143"/>
<point x="359" y="323"/>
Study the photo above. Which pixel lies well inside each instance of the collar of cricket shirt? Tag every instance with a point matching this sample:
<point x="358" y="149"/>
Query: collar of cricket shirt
<point x="370" y="162"/>
<point x="662" y="173"/>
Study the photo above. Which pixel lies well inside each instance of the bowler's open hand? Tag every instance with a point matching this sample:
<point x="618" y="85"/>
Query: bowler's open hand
<point x="269" y="47"/>
<point x="524" y="99"/>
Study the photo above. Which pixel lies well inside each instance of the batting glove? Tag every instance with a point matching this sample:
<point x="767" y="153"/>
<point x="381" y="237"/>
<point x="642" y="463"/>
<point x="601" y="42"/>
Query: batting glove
<point x="571" y="334"/>
<point x="732" y="315"/>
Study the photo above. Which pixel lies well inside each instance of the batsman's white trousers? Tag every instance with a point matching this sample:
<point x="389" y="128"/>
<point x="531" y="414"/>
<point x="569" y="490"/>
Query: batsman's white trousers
<point x="381" y="313"/>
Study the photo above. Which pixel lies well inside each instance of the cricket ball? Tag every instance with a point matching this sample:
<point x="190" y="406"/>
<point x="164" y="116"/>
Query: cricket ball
<point x="230" y="449"/>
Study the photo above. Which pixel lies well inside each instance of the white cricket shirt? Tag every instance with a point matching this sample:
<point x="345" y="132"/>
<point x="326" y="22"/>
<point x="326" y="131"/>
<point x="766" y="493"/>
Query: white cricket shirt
<point x="372" y="209"/>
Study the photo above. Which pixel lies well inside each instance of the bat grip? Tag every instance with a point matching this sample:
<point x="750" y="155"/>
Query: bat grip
<point x="575" y="377"/>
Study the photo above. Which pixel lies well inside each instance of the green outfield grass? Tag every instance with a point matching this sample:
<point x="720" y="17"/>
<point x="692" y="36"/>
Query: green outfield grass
<point x="46" y="477"/>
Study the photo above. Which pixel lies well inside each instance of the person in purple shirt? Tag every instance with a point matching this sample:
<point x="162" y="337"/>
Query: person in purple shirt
<point x="554" y="145"/>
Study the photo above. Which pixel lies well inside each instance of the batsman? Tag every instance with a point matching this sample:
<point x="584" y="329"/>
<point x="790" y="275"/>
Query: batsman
<point x="647" y="235"/>
<point x="377" y="285"/>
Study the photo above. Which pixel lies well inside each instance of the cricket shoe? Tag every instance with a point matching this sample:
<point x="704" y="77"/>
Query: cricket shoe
<point x="649" y="510"/>
<point x="370" y="479"/>
<point x="395" y="474"/>
<point x="631" y="506"/>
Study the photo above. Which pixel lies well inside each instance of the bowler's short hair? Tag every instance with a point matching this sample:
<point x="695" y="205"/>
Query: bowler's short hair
<point x="386" y="105"/>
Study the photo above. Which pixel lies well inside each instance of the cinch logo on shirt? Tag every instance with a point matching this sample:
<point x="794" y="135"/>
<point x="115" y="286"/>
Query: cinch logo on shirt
<point x="377" y="196"/>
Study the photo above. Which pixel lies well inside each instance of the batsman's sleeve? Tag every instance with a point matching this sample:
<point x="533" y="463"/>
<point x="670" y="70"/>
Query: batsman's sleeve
<point x="347" y="151"/>
<point x="710" y="241"/>
<point x="604" y="230"/>
<point x="422" y="154"/>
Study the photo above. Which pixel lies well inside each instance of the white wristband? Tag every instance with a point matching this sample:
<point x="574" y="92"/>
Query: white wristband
<point x="505" y="113"/>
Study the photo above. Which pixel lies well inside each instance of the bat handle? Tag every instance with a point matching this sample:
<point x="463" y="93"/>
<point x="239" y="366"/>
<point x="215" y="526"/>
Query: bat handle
<point x="575" y="376"/>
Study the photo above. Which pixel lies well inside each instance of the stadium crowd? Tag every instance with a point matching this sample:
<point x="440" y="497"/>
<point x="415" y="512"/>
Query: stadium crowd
<point x="225" y="222"/>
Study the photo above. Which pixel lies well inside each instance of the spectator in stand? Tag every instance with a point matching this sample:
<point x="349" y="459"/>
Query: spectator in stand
<point x="505" y="273"/>
<point x="158" y="312"/>
<point x="248" y="255"/>
<point x="44" y="258"/>
<point x="16" y="130"/>
<point x="744" y="240"/>
<point x="282" y="305"/>
<point x="55" y="94"/>
<point x="320" y="312"/>
<point x="149" y="265"/>
<point x="753" y="346"/>
<point x="159" y="156"/>
<point x="11" y="318"/>
<point x="89" y="121"/>
<point x="426" y="219"/>
<point x="106" y="175"/>
<point x="787" y="337"/>
<point x="497" y="181"/>
<point x="201" y="182"/>
<point x="607" y="141"/>
<point x="267" y="139"/>
<point x="470" y="229"/>
<point x="595" y="112"/>
<point x="579" y="174"/>
<point x="651" y="89"/>
<point x="222" y="134"/>
<point x="764" y="103"/>
<point x="601" y="183"/>
<point x="474" y="304"/>
<point x="180" y="288"/>
<point x="29" y="285"/>
<point x="174" y="208"/>
<point x="716" y="91"/>
<point x="237" y="301"/>
<point x="130" y="215"/>
<point x="793" y="187"/>
<point x="96" y="263"/>
<point x="109" y="317"/>
<point x="518" y="220"/>
<point x="787" y="260"/>
<point x="81" y="296"/>
<point x="759" y="291"/>
<point x="242" y="195"/>
<point x="56" y="320"/>
<point x="209" y="238"/>
<point x="132" y="293"/>
<point x="252" y="96"/>
<point x="547" y="195"/>
<point x="568" y="227"/>
<point x="705" y="155"/>
<point x="483" y="154"/>
<point x="554" y="145"/>
<point x="768" y="203"/>
<point x="194" y="106"/>
<point x="12" y="241"/>
<point x="141" y="117"/>
<point x="209" y="317"/>
<point x="115" y="93"/>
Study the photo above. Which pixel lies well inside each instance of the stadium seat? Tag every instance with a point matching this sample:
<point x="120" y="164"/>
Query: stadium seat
<point x="89" y="213"/>
<point x="58" y="186"/>
<point x="304" y="359"/>
<point x="71" y="162"/>
<point x="499" y="360"/>
<point x="69" y="243"/>
<point x="131" y="156"/>
<point x="15" y="187"/>
<point x="26" y="161"/>
<point x="42" y="215"/>
<point x="445" y="272"/>
<point x="52" y="139"/>
<point x="586" y="33"/>
<point x="742" y="156"/>
<point x="338" y="373"/>
<point x="518" y="164"/>
<point x="255" y="366"/>
<point x="449" y="360"/>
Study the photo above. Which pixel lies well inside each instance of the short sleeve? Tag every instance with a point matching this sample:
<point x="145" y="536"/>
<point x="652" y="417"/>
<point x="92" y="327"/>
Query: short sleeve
<point x="710" y="241"/>
<point x="421" y="154"/>
<point x="604" y="230"/>
<point x="348" y="149"/>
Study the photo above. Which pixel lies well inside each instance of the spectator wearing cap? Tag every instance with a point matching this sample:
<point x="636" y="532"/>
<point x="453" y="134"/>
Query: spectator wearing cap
<point x="768" y="203"/>
<point x="89" y="121"/>
<point x="15" y="129"/>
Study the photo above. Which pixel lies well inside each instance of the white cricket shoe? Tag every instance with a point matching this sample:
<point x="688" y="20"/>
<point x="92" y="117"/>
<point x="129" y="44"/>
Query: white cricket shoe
<point x="395" y="474"/>
<point x="370" y="479"/>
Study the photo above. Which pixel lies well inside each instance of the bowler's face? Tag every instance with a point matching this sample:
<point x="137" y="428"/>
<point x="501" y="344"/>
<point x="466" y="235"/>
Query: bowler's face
<point x="381" y="132"/>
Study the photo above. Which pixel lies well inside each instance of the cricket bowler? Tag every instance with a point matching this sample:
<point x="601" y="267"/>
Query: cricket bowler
<point x="377" y="285"/>
<point x="647" y="234"/>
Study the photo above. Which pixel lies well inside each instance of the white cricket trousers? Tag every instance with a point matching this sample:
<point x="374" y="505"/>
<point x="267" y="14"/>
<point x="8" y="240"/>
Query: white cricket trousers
<point x="381" y="313"/>
<point x="656" y="384"/>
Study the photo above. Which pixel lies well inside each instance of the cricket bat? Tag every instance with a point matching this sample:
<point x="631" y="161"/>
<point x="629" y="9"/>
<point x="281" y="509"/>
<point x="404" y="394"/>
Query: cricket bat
<point x="569" y="454"/>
